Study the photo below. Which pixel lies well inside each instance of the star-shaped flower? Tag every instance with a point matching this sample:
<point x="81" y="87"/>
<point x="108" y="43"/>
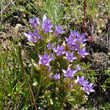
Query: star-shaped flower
<point x="70" y="57"/>
<point x="33" y="37"/>
<point x="69" y="73"/>
<point x="88" y="88"/>
<point x="44" y="60"/>
<point x="58" y="30"/>
<point x="49" y="46"/>
<point x="46" y="24"/>
<point x="30" y="37"/>
<point x="34" y="21"/>
<point x="36" y="34"/>
<point x="59" y="50"/>
<point x="81" y="80"/>
<point x="74" y="46"/>
<point x="74" y="34"/>
<point x="81" y="38"/>
<point x="78" y="67"/>
<point x="82" y="52"/>
<point x="69" y="40"/>
<point x="57" y="76"/>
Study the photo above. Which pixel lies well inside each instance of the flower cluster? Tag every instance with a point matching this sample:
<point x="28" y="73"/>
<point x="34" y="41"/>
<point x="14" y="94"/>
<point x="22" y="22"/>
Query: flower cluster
<point x="59" y="55"/>
<point x="33" y="37"/>
<point x="75" y="42"/>
<point x="86" y="86"/>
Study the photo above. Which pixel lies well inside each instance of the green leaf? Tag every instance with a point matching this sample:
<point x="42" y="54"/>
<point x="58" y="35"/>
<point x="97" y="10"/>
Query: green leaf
<point x="30" y="43"/>
<point x="107" y="80"/>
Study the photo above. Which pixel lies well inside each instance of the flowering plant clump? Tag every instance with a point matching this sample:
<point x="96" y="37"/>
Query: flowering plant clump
<point x="57" y="66"/>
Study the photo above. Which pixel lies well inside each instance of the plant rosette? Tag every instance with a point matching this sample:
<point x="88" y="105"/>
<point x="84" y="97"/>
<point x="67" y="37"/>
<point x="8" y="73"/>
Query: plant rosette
<point x="58" y="64"/>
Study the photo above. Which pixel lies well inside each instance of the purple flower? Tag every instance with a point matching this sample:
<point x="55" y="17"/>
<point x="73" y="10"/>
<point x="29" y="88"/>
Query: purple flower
<point x="57" y="76"/>
<point x="81" y="38"/>
<point x="74" y="34"/>
<point x="34" y="21"/>
<point x="51" y="75"/>
<point x="78" y="67"/>
<point x="72" y="43"/>
<point x="69" y="40"/>
<point x="69" y="73"/>
<point x="49" y="46"/>
<point x="82" y="52"/>
<point x="46" y="24"/>
<point x="75" y="39"/>
<point x="30" y="37"/>
<point x="36" y="34"/>
<point x="44" y="60"/>
<point x="70" y="86"/>
<point x="39" y="36"/>
<point x="58" y="30"/>
<point x="81" y="35"/>
<point x="74" y="46"/>
<point x="85" y="82"/>
<point x="70" y="57"/>
<point x="81" y="80"/>
<point x="59" y="50"/>
<point x="88" y="88"/>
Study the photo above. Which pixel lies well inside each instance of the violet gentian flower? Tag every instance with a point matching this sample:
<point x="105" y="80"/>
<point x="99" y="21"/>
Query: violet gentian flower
<point x="46" y="24"/>
<point x="72" y="43"/>
<point x="81" y="80"/>
<point x="36" y="34"/>
<point x="34" y="21"/>
<point x="59" y="50"/>
<point x="49" y="46"/>
<point x="70" y="57"/>
<point x="84" y="40"/>
<point x="70" y="86"/>
<point x="78" y="37"/>
<point x="88" y="88"/>
<point x="43" y="19"/>
<point x="69" y="40"/>
<point x="78" y="67"/>
<point x="82" y="52"/>
<point x="74" y="46"/>
<point x="33" y="37"/>
<point x="69" y="73"/>
<point x="85" y="82"/>
<point x="74" y="34"/>
<point x="57" y="76"/>
<point x="30" y="37"/>
<point x="58" y="30"/>
<point x="44" y="60"/>
<point x="81" y="38"/>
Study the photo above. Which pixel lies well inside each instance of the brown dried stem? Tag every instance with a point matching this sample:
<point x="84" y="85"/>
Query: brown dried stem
<point x="26" y="78"/>
<point x="85" y="5"/>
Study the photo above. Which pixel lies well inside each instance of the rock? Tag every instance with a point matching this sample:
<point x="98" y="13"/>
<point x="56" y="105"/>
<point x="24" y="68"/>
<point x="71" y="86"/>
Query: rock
<point x="100" y="44"/>
<point x="100" y="60"/>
